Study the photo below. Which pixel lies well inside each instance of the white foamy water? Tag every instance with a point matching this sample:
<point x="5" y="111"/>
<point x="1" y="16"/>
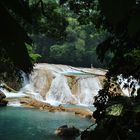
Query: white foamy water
<point x="88" y="87"/>
<point x="127" y="91"/>
<point x="61" y="84"/>
<point x="60" y="91"/>
<point x="13" y="94"/>
<point x="14" y="103"/>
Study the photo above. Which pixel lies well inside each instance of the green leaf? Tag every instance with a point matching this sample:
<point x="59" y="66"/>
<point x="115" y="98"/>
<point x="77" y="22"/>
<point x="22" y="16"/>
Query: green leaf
<point x="33" y="56"/>
<point x="114" y="110"/>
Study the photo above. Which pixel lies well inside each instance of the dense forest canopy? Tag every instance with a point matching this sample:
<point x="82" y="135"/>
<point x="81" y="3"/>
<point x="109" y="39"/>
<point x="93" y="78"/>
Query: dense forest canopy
<point x="59" y="31"/>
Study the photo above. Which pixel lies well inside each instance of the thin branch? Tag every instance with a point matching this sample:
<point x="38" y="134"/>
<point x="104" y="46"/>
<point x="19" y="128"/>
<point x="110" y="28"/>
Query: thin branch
<point x="40" y="2"/>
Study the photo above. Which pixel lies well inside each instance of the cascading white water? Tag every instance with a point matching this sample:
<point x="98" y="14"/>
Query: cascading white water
<point x="62" y="84"/>
<point x="60" y="91"/>
<point x="131" y="83"/>
<point x="88" y="87"/>
<point x="65" y="84"/>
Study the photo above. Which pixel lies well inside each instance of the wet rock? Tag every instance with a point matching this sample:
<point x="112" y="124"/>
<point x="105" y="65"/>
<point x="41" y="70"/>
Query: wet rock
<point x="3" y="102"/>
<point x="2" y="95"/>
<point x="66" y="131"/>
<point x="46" y="106"/>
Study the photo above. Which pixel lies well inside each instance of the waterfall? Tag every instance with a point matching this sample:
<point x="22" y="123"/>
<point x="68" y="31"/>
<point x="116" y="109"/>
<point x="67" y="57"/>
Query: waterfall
<point x="127" y="85"/>
<point x="60" y="91"/>
<point x="62" y="84"/>
<point x="88" y="87"/>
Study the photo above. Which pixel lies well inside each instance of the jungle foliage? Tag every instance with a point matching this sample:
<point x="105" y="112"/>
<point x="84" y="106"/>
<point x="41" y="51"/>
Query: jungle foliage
<point x="12" y="35"/>
<point x="78" y="31"/>
<point x="118" y="117"/>
<point x="13" y="53"/>
<point x="61" y="37"/>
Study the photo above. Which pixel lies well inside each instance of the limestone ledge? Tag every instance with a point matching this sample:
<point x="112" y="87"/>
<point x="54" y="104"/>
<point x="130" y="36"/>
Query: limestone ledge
<point x="33" y="103"/>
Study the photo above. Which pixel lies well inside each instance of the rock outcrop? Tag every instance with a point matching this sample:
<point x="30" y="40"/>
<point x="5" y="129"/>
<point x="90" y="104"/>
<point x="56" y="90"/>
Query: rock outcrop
<point x="66" y="131"/>
<point x="3" y="102"/>
<point x="29" y="102"/>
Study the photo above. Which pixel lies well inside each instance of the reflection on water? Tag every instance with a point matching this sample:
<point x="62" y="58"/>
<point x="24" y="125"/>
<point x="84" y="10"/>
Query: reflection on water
<point x="31" y="124"/>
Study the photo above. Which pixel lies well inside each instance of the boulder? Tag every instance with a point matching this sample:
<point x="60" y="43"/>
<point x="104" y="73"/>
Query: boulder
<point x="66" y="131"/>
<point x="2" y="101"/>
<point x="2" y="95"/>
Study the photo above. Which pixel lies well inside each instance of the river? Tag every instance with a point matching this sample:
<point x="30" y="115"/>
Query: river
<point x="18" y="123"/>
<point x="54" y="84"/>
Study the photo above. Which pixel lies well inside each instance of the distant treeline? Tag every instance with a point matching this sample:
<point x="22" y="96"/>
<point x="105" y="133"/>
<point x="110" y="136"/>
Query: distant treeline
<point x="61" y="38"/>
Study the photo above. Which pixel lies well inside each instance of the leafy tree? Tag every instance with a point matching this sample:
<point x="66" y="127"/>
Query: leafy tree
<point x="80" y="43"/>
<point x="118" y="117"/>
<point x="49" y="26"/>
<point x="49" y="19"/>
<point x="48" y="33"/>
<point x="13" y="52"/>
<point x="124" y="39"/>
<point x="12" y="35"/>
<point x="33" y="56"/>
